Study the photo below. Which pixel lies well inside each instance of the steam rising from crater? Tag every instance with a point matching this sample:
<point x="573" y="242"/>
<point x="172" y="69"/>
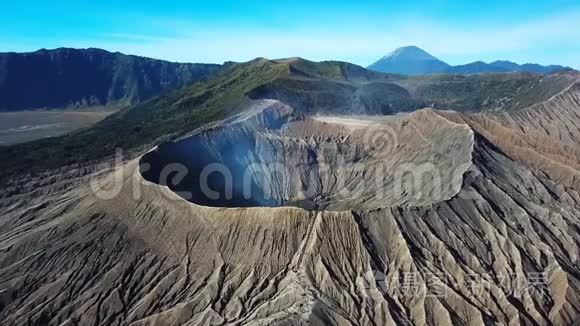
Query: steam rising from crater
<point x="271" y="157"/>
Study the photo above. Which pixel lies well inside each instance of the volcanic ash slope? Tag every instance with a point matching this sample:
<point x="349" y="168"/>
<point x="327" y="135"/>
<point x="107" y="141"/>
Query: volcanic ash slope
<point x="147" y="256"/>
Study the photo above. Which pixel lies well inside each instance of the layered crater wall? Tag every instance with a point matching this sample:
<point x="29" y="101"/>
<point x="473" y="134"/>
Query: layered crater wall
<point x="270" y="157"/>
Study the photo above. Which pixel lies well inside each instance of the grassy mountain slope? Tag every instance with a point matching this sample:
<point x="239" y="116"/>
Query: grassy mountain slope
<point x="330" y="87"/>
<point x="176" y="112"/>
<point x="496" y="91"/>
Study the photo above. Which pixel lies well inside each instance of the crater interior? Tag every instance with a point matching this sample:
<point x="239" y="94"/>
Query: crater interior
<point x="270" y="156"/>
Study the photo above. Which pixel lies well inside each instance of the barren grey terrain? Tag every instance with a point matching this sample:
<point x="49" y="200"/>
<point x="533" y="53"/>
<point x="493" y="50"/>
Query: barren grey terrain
<point x="429" y="217"/>
<point x="23" y="126"/>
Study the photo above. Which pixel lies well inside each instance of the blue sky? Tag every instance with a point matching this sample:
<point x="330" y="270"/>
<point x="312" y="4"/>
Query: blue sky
<point x="357" y="31"/>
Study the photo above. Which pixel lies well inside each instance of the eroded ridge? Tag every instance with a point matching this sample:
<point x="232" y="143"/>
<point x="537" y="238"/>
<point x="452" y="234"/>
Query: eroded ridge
<point x="504" y="250"/>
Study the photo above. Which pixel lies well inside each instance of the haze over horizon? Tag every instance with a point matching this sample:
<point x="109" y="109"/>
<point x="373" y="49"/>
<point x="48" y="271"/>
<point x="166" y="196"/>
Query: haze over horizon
<point x="359" y="33"/>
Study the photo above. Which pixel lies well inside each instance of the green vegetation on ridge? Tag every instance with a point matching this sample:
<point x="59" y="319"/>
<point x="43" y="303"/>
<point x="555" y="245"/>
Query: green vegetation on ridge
<point x="330" y="87"/>
<point x="174" y="113"/>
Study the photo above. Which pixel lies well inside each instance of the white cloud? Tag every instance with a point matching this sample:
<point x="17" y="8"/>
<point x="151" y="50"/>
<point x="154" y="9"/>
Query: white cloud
<point x="557" y="29"/>
<point x="357" y="43"/>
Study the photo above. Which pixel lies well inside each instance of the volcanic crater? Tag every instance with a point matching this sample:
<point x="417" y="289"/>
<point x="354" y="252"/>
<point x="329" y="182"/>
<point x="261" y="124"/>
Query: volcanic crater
<point x="273" y="156"/>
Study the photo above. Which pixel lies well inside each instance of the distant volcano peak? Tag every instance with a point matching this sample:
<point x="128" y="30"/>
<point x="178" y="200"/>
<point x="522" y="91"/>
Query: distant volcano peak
<point x="412" y="60"/>
<point x="409" y="60"/>
<point x="410" y="52"/>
